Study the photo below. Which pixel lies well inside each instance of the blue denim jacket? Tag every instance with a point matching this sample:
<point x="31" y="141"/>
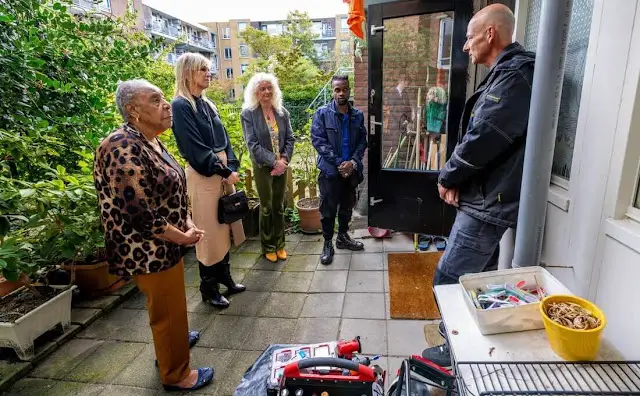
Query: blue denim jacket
<point x="326" y="136"/>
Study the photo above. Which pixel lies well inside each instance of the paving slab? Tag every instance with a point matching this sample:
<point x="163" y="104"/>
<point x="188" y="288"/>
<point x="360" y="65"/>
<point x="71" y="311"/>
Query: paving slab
<point x="323" y="305"/>
<point x="373" y="334"/>
<point x="104" y="302"/>
<point x="371" y="245"/>
<point x="406" y="337"/>
<point x="142" y="372"/>
<point x="265" y="265"/>
<point x="247" y="303"/>
<point x="267" y="331"/>
<point x="294" y="282"/>
<point x="120" y="390"/>
<point x="309" y="248"/>
<point x="302" y="263"/>
<point x="110" y="323"/>
<point x="283" y="305"/>
<point x="365" y="281"/>
<point x="367" y="262"/>
<point x="315" y="330"/>
<point x="250" y="247"/>
<point x="241" y="362"/>
<point x="341" y="262"/>
<point x="329" y="281"/>
<point x="10" y="370"/>
<point x="243" y="260"/>
<point x="219" y="359"/>
<point x="45" y="387"/>
<point x="364" y="306"/>
<point x="106" y="362"/>
<point x="226" y="332"/>
<point x="261" y="281"/>
<point x="65" y="359"/>
<point x="84" y="316"/>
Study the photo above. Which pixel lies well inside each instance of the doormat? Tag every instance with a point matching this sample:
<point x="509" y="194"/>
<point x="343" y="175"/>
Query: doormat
<point x="411" y="285"/>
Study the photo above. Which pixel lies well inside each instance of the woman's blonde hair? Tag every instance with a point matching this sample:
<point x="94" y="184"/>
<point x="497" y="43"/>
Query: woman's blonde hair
<point x="187" y="66"/>
<point x="251" y="92"/>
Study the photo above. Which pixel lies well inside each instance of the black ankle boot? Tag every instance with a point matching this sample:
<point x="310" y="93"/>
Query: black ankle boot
<point x="210" y="292"/>
<point x="327" y="252"/>
<point x="224" y="277"/>
<point x="344" y="241"/>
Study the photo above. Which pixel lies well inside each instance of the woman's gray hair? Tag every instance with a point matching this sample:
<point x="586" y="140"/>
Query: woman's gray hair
<point x="127" y="91"/>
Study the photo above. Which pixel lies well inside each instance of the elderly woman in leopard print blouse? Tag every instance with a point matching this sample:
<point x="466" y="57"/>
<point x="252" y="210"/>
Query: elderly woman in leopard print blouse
<point x="142" y="195"/>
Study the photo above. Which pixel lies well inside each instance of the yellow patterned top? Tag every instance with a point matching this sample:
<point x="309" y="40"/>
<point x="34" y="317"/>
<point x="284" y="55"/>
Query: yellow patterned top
<point x="273" y="130"/>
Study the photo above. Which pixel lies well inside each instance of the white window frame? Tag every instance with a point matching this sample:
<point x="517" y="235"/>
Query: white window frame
<point x="344" y="28"/>
<point x="240" y="51"/>
<point x="226" y="73"/>
<point x="441" y="39"/>
<point x="242" y="29"/>
<point x="243" y="68"/>
<point x="230" y="53"/>
<point x="226" y="33"/>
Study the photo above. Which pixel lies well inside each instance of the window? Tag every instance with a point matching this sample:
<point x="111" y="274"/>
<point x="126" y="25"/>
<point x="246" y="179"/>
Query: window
<point x="243" y="68"/>
<point x="316" y="29"/>
<point x="344" y="26"/>
<point x="132" y="6"/>
<point x="227" y="53"/>
<point x="244" y="51"/>
<point x="229" y="73"/>
<point x="322" y="50"/>
<point x="232" y="93"/>
<point x="214" y="40"/>
<point x="578" y="43"/>
<point x="106" y="5"/>
<point x="273" y="29"/>
<point x="444" y="43"/>
<point x="214" y="63"/>
<point x="226" y="33"/>
<point x="344" y="47"/>
<point x="241" y="26"/>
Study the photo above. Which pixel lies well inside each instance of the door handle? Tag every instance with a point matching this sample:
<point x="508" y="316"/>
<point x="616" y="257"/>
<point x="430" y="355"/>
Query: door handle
<point x="373" y="123"/>
<point x="373" y="201"/>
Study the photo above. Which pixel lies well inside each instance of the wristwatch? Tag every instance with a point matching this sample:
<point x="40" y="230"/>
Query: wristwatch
<point x="355" y="164"/>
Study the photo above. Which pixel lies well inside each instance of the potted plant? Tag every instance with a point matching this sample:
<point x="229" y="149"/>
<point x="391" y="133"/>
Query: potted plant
<point x="305" y="171"/>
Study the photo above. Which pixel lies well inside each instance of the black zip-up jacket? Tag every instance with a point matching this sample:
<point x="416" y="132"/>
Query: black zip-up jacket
<point x="486" y="165"/>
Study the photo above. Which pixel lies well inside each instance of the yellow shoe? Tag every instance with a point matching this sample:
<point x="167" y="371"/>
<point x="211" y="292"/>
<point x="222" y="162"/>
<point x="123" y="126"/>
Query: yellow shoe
<point x="271" y="257"/>
<point x="282" y="254"/>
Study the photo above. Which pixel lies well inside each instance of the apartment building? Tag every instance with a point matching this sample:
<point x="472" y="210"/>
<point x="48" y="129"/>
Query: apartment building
<point x="180" y="35"/>
<point x="334" y="45"/>
<point x="112" y="8"/>
<point x="234" y="55"/>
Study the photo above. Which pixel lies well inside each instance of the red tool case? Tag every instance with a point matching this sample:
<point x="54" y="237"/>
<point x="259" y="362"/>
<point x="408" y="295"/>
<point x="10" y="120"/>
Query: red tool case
<point x="312" y="377"/>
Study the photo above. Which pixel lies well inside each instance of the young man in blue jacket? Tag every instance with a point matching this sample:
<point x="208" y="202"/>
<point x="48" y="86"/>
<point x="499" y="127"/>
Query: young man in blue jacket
<point x="483" y="176"/>
<point x="339" y="136"/>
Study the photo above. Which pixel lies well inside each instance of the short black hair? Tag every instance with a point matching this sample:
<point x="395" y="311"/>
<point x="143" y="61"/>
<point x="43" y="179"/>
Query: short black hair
<point x="339" y="77"/>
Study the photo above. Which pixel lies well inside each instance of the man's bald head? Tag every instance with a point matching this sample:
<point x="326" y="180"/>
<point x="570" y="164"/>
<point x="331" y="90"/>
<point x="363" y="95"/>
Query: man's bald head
<point x="489" y="32"/>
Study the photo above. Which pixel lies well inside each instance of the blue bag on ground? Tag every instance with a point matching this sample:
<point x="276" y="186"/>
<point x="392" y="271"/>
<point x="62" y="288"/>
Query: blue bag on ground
<point x="255" y="380"/>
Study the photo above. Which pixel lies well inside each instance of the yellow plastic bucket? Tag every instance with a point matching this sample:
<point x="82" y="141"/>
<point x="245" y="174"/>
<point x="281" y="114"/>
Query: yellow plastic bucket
<point x="570" y="344"/>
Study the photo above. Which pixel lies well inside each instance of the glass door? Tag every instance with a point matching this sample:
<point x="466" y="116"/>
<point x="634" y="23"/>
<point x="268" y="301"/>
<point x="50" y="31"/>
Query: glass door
<point x="417" y="75"/>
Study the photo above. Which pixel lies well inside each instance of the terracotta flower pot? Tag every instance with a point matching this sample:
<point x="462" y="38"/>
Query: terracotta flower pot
<point x="94" y="280"/>
<point x="7" y="286"/>
<point x="309" y="211"/>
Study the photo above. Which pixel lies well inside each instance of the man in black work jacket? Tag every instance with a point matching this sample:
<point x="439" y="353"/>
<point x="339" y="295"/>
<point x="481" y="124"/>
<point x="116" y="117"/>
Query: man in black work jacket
<point x="483" y="176"/>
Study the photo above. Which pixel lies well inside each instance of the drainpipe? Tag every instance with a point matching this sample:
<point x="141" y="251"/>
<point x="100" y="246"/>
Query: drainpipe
<point x="541" y="133"/>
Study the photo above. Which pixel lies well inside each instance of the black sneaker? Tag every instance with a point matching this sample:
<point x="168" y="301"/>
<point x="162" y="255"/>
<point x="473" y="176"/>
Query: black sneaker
<point x="439" y="355"/>
<point x="442" y="330"/>
<point x="327" y="253"/>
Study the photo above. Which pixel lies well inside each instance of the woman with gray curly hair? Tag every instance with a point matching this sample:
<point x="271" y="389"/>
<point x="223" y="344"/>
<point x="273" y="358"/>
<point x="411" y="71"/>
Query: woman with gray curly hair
<point x="266" y="127"/>
<point x="142" y="195"/>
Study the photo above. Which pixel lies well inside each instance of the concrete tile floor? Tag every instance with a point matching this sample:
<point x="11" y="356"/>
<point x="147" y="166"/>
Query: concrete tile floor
<point x="297" y="301"/>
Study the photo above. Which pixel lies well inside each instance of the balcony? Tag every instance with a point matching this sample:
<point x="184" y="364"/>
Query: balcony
<point x="201" y="42"/>
<point x="90" y="5"/>
<point x="327" y="33"/>
<point x="156" y="27"/>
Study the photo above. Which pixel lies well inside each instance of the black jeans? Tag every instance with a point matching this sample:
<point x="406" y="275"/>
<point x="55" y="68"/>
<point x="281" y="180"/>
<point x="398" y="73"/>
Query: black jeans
<point x="337" y="195"/>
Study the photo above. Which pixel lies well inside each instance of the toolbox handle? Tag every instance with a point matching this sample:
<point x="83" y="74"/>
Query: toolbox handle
<point x="365" y="373"/>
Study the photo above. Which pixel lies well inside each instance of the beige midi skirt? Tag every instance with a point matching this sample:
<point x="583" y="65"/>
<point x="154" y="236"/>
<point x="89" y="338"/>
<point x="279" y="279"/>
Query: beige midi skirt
<point x="204" y="193"/>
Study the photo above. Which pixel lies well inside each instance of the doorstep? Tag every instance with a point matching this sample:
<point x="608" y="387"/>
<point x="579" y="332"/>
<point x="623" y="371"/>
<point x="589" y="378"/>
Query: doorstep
<point x="83" y="313"/>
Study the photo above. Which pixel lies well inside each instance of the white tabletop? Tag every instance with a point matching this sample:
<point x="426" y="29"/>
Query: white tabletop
<point x="469" y="345"/>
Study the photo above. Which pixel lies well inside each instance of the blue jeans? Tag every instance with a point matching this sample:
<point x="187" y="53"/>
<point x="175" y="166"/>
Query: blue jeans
<point x="474" y="246"/>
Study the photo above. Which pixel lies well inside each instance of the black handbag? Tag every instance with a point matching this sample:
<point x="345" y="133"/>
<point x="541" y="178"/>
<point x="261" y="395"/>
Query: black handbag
<point x="232" y="207"/>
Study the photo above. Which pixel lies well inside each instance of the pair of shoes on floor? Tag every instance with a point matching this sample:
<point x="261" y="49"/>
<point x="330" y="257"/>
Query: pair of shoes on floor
<point x="205" y="376"/>
<point x="194" y="336"/>
<point x="440" y="355"/>
<point x="343" y="241"/>
<point x="425" y="240"/>
<point x="278" y="255"/>
<point x="210" y="286"/>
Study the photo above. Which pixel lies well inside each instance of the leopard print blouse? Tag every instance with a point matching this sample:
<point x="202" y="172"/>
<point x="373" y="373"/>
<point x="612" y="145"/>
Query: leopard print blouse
<point x="140" y="193"/>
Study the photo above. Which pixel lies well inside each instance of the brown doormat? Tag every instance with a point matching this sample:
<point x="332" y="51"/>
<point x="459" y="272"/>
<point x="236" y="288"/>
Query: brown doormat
<point x="411" y="285"/>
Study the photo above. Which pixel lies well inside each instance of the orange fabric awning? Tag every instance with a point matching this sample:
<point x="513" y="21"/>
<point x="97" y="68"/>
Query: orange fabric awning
<point x="356" y="17"/>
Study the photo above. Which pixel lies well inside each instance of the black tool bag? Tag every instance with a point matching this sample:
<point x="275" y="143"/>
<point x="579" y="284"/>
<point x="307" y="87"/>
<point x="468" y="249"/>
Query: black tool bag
<point x="418" y="375"/>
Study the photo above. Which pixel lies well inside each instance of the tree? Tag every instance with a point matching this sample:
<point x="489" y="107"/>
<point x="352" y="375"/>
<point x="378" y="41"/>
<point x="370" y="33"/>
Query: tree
<point x="299" y="32"/>
<point x="263" y="44"/>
